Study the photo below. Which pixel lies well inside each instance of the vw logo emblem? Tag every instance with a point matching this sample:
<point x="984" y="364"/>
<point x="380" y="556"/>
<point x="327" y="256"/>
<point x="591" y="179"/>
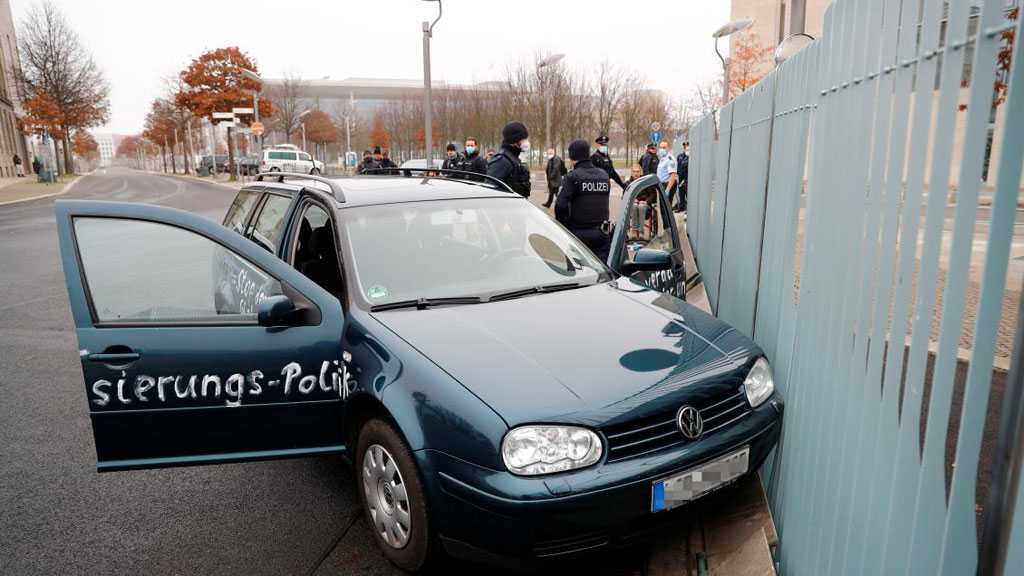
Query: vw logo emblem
<point x="690" y="423"/>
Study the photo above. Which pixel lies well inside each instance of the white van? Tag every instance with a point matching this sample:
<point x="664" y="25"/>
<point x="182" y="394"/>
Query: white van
<point x="288" y="158"/>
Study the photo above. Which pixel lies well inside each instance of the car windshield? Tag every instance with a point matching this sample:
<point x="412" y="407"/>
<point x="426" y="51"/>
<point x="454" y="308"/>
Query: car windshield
<point x="471" y="247"/>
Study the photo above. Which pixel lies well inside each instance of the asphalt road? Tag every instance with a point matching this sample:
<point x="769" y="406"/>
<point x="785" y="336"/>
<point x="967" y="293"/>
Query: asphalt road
<point x="58" y="515"/>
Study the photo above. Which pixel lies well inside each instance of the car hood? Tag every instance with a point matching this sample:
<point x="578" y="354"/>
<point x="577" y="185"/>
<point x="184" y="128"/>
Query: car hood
<point x="594" y="354"/>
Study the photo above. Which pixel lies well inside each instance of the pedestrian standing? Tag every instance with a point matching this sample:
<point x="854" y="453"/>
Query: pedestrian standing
<point x="385" y="161"/>
<point x="582" y="204"/>
<point x="649" y="161"/>
<point x="367" y="164"/>
<point x="683" y="173"/>
<point x="37" y="164"/>
<point x="17" y="167"/>
<point x="452" y="160"/>
<point x="601" y="160"/>
<point x="472" y="161"/>
<point x="554" y="171"/>
<point x="667" y="170"/>
<point x="505" y="165"/>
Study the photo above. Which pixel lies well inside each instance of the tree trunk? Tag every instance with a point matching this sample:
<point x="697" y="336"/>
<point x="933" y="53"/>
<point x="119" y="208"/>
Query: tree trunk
<point x="186" y="151"/>
<point x="174" y="162"/>
<point x="65" y="142"/>
<point x="231" y="155"/>
<point x="163" y="157"/>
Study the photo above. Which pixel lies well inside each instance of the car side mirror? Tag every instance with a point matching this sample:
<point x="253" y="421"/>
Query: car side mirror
<point x="648" y="260"/>
<point x="276" y="310"/>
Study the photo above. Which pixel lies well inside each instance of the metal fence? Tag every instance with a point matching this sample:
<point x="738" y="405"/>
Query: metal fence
<point x="834" y="218"/>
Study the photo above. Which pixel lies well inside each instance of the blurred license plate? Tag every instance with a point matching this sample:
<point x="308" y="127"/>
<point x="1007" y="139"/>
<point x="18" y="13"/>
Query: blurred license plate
<point x="692" y="484"/>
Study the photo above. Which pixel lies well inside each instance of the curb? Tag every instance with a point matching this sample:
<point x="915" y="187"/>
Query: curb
<point x="67" y="188"/>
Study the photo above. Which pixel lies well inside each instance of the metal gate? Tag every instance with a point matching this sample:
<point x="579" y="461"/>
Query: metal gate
<point x="838" y="216"/>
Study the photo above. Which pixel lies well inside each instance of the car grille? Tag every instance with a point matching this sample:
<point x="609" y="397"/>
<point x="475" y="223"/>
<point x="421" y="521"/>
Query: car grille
<point x="658" y="432"/>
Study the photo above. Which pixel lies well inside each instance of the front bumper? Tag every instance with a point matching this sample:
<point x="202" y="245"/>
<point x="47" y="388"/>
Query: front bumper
<point x="484" y="514"/>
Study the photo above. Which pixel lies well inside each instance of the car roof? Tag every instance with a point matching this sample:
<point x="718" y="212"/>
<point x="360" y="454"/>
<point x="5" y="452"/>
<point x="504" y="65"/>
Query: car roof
<point x="381" y="189"/>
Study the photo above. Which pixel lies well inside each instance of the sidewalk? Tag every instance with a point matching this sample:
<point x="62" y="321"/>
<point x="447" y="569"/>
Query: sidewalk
<point x="14" y="190"/>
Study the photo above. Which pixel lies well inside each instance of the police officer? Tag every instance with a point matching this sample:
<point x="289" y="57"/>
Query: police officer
<point x="582" y="204"/>
<point x="505" y="164"/>
<point x="472" y="161"/>
<point x="601" y="160"/>
<point x="453" y="160"/>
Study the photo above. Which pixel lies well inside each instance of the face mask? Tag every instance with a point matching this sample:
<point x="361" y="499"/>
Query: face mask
<point x="662" y="152"/>
<point x="550" y="155"/>
<point x="470" y="149"/>
<point x="524" y="145"/>
<point x="602" y="149"/>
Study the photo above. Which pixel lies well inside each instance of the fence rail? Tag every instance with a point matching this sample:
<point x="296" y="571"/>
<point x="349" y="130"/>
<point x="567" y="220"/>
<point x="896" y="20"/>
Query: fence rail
<point x="834" y="215"/>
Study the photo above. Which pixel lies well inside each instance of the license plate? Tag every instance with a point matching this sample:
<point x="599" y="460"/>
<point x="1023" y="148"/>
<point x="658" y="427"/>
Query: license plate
<point x="692" y="484"/>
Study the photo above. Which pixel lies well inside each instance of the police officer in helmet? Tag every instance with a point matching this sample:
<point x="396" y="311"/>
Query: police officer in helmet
<point x="505" y="165"/>
<point x="582" y="204"/>
<point x="601" y="159"/>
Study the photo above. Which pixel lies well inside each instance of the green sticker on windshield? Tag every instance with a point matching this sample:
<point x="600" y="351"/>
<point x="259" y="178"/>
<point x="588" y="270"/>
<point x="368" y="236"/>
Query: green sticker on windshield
<point x="377" y="292"/>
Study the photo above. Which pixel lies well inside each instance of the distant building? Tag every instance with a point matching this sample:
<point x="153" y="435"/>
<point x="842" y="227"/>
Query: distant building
<point x="11" y="140"/>
<point x="106" y="149"/>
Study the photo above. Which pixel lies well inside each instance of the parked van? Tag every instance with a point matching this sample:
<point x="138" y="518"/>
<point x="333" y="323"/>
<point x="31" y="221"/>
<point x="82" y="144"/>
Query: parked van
<point x="288" y="158"/>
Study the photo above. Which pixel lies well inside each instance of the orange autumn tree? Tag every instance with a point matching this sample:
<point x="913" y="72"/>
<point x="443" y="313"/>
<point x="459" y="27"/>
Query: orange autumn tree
<point x="85" y="146"/>
<point x="378" y="134"/>
<point x="747" y="62"/>
<point x="160" y="128"/>
<point x="214" y="82"/>
<point x="320" y="130"/>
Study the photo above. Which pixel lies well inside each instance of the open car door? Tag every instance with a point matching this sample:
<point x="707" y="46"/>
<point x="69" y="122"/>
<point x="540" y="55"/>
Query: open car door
<point x="197" y="346"/>
<point x="646" y="244"/>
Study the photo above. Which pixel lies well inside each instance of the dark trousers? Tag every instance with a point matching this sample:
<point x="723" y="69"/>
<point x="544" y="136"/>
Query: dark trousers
<point x="552" y="192"/>
<point x="598" y="242"/>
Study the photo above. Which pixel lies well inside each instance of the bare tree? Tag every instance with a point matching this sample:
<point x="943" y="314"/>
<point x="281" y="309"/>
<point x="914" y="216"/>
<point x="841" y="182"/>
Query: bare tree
<point x="610" y="92"/>
<point x="57" y="69"/>
<point x="288" y="105"/>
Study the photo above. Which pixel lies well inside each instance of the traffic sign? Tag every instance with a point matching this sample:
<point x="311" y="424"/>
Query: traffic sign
<point x="655" y="136"/>
<point x="227" y="124"/>
<point x="655" y="126"/>
<point x="223" y="115"/>
<point x="237" y="111"/>
<point x="257" y="128"/>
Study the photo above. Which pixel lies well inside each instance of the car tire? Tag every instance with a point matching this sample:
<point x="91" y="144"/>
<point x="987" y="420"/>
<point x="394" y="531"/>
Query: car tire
<point x="314" y="172"/>
<point x="275" y="169"/>
<point x="392" y="496"/>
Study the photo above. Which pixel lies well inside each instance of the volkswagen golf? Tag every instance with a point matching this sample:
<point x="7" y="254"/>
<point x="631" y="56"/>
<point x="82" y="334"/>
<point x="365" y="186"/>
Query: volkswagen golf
<point x="500" y="392"/>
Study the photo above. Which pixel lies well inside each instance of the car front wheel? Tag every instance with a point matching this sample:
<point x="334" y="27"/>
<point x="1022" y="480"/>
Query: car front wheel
<point x="314" y="172"/>
<point x="393" y="496"/>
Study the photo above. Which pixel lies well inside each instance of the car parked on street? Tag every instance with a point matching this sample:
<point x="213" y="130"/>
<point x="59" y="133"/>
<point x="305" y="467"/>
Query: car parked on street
<point x="288" y="158"/>
<point x="215" y="164"/>
<point x="501" y="392"/>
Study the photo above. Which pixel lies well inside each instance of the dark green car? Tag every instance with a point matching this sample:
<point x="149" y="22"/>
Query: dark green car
<point x="500" y="392"/>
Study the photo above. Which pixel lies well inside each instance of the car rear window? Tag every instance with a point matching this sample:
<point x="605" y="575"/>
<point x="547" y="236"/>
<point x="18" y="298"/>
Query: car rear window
<point x="282" y="155"/>
<point x="239" y="211"/>
<point x="270" y="222"/>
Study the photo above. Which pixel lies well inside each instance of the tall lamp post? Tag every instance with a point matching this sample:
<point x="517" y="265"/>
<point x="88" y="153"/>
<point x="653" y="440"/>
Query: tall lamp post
<point x="728" y="30"/>
<point x="547" y="63"/>
<point x="428" y="32"/>
<point x="302" y="123"/>
<point x="256" y="102"/>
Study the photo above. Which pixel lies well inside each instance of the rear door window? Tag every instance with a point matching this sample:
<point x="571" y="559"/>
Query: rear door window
<point x="239" y="211"/>
<point x="270" y="222"/>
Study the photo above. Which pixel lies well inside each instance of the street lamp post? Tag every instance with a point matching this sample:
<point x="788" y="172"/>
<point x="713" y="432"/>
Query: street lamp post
<point x="302" y="123"/>
<point x="256" y="102"/>
<point x="728" y="30"/>
<point x="428" y="102"/>
<point x="546" y="63"/>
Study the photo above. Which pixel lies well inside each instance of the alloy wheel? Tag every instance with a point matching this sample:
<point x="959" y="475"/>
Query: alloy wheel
<point x="386" y="497"/>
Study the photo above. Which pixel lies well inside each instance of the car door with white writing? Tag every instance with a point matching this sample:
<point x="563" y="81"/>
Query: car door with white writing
<point x="645" y="234"/>
<point x="175" y="374"/>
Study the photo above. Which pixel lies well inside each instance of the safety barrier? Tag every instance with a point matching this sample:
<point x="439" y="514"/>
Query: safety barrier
<point x="834" y="213"/>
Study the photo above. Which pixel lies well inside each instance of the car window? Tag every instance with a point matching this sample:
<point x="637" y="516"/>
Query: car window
<point x="145" y="272"/>
<point x="304" y="156"/>
<point x="270" y="222"/>
<point x="314" y="252"/>
<point x="239" y="210"/>
<point x="647" y="226"/>
<point x="461" y="248"/>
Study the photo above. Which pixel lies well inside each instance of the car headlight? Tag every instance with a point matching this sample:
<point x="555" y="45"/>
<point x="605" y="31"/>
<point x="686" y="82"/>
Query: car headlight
<point x="759" y="384"/>
<point x="533" y="450"/>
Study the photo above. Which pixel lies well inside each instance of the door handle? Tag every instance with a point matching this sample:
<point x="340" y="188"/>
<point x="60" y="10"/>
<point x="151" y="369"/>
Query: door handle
<point x="115" y="355"/>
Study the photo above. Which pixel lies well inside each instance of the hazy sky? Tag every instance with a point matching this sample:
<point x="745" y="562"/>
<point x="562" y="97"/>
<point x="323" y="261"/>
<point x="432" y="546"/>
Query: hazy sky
<point x="138" y="43"/>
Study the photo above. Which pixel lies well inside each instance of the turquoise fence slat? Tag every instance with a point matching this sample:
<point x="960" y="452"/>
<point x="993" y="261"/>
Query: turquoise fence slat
<point x="823" y="225"/>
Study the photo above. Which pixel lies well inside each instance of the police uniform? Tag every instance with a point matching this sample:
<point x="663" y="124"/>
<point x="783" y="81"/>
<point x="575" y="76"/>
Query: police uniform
<point x="582" y="204"/>
<point x="505" y="165"/>
<point x="602" y="161"/>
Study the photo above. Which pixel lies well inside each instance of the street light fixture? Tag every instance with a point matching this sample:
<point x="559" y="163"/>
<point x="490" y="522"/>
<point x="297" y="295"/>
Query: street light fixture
<point x="791" y="45"/>
<point x="303" y="124"/>
<point x="249" y="74"/>
<point x="728" y="30"/>
<point x="546" y="63"/>
<point x="428" y="32"/>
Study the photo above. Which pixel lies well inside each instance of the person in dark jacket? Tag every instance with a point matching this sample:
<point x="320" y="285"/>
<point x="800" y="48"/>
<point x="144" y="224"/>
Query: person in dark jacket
<point x="601" y="160"/>
<point x="472" y="161"/>
<point x="452" y="160"/>
<point x="582" y="204"/>
<point x="505" y="165"/>
<point x="367" y="164"/>
<point x="385" y="161"/>
<point x="554" y="170"/>
<point x="649" y="161"/>
<point x="682" y="172"/>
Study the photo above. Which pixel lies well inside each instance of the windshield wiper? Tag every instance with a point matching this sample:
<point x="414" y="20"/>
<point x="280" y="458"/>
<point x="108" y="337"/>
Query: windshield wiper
<point x="535" y="290"/>
<point x="424" y="303"/>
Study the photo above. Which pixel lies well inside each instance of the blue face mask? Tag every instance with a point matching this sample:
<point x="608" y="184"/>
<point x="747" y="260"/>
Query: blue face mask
<point x="470" y="149"/>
